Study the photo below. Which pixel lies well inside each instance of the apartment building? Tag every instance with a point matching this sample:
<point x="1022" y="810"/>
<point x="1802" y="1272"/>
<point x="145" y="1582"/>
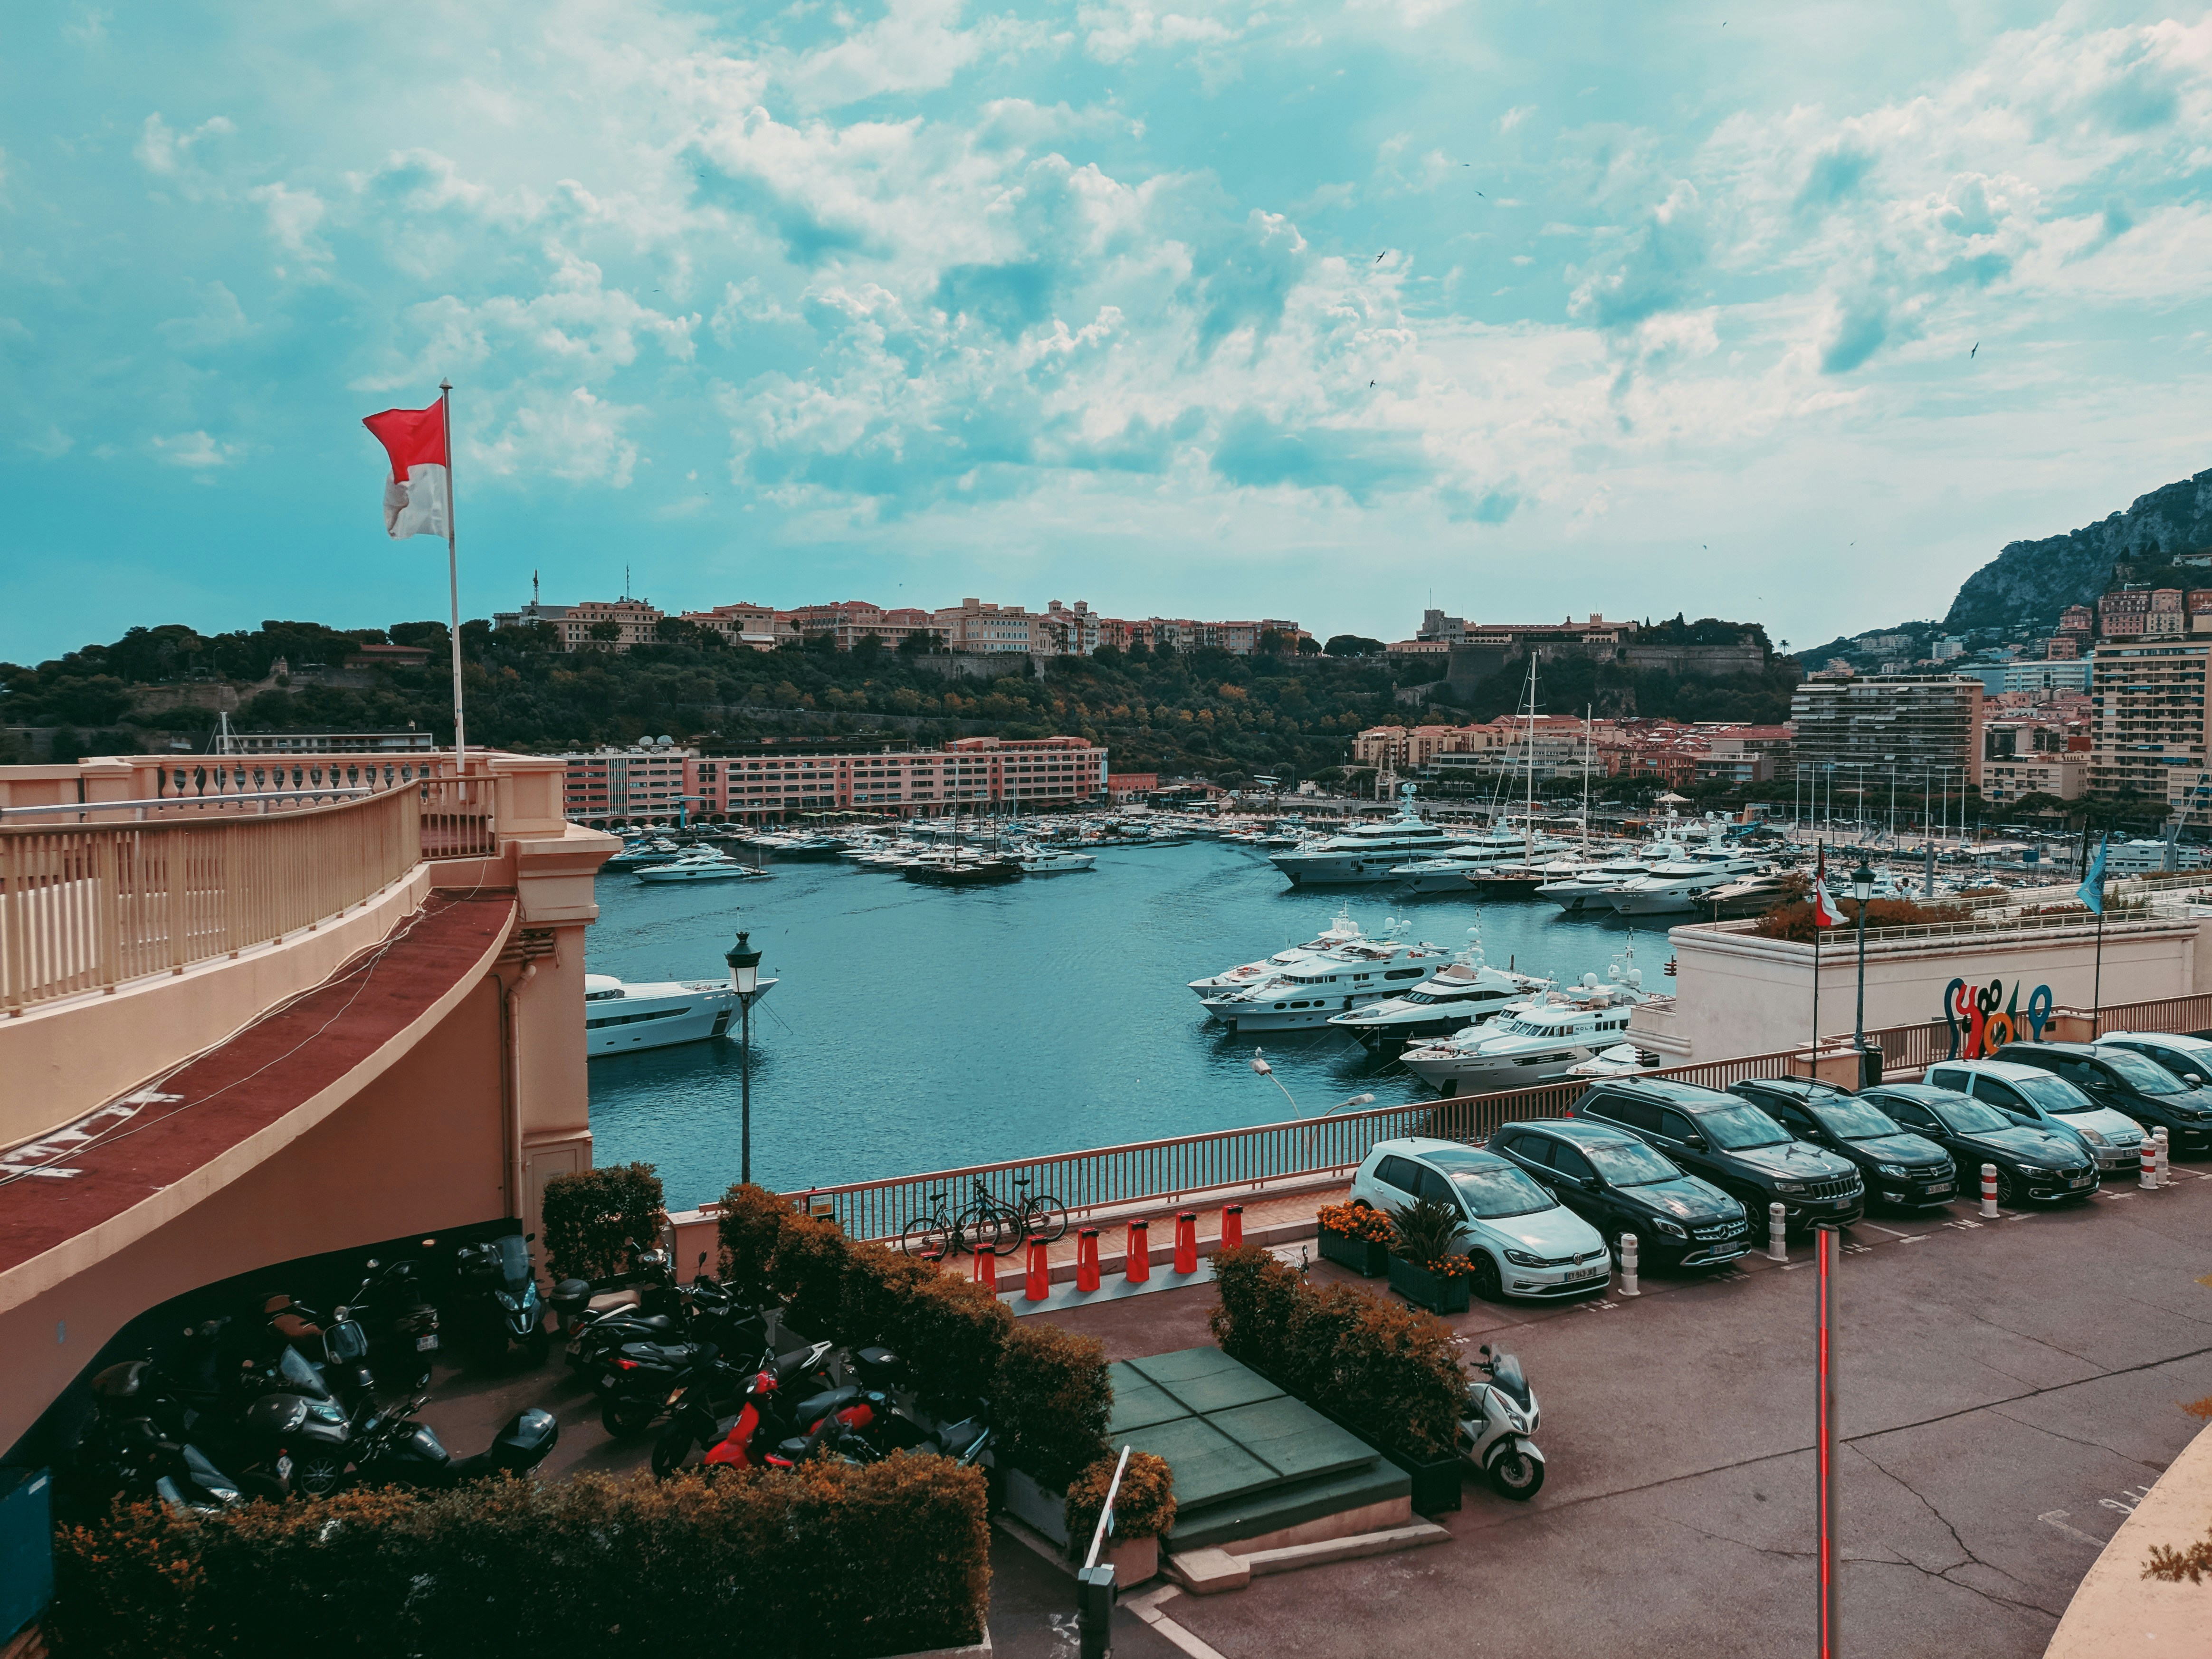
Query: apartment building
<point x="756" y="627"/>
<point x="627" y="785"/>
<point x="2053" y="772"/>
<point x="1402" y="748"/>
<point x="634" y="623"/>
<point x="1027" y="774"/>
<point x="2148" y="709"/>
<point x="1907" y="723"/>
<point x="987" y="629"/>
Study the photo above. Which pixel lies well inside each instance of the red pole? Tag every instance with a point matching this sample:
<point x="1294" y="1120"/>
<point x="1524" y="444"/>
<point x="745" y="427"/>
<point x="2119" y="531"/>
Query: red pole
<point x="986" y="1269"/>
<point x="1186" y="1246"/>
<point x="1824" y="1243"/>
<point x="1232" y="1226"/>
<point x="1039" y="1284"/>
<point x="1137" y="1266"/>
<point x="1086" y="1260"/>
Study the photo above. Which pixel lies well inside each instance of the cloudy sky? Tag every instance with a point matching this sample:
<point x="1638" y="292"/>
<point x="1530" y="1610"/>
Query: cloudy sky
<point x="1327" y="311"/>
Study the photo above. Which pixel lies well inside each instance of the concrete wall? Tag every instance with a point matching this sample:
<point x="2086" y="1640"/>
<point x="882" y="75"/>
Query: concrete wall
<point x="1737" y="993"/>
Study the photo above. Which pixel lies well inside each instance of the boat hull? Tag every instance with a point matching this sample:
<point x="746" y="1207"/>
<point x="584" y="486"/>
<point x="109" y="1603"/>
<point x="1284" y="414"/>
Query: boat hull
<point x="1485" y="1077"/>
<point x="963" y="875"/>
<point x="628" y="1024"/>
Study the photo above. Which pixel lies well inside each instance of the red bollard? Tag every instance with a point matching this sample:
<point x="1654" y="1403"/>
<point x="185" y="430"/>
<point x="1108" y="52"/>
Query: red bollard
<point x="1232" y="1226"/>
<point x="1186" y="1255"/>
<point x="986" y="1270"/>
<point x="1138" y="1268"/>
<point x="1040" y="1273"/>
<point x="1086" y="1260"/>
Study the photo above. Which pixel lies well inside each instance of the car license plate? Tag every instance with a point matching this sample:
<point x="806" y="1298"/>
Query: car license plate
<point x="425" y="1344"/>
<point x="1935" y="1186"/>
<point x="608" y="1381"/>
<point x="1590" y="1272"/>
<point x="2079" y="1181"/>
<point x="284" y="1469"/>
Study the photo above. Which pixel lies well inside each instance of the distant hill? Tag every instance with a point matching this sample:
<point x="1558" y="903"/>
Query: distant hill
<point x="2040" y="578"/>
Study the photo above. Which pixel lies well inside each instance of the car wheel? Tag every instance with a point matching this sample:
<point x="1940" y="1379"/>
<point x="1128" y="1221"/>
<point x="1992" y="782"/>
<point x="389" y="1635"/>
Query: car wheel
<point x="1515" y="1474"/>
<point x="1485" y="1281"/>
<point x="2008" y="1186"/>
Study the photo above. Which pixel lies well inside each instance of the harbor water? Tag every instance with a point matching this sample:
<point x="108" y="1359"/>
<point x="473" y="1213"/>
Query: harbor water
<point x="916" y="1028"/>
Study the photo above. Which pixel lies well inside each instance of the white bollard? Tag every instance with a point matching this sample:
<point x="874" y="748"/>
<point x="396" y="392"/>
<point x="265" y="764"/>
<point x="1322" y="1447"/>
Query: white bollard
<point x="1988" y="1192"/>
<point x="2165" y="1170"/>
<point x="2147" y="1166"/>
<point x="1777" y="1228"/>
<point x="1628" y="1265"/>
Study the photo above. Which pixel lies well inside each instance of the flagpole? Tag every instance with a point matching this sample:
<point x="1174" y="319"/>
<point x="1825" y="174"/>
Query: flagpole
<point x="453" y="581"/>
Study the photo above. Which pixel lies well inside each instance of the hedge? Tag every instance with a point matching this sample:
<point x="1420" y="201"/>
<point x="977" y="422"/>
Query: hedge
<point x="1143" y="1508"/>
<point x="591" y="1218"/>
<point x="828" y="1561"/>
<point x="1390" y="1373"/>
<point x="1049" y="1391"/>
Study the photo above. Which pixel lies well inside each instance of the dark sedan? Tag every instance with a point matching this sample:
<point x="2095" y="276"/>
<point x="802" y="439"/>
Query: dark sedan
<point x="2131" y="1085"/>
<point x="1899" y="1168"/>
<point x="1619" y="1185"/>
<point x="2034" y="1165"/>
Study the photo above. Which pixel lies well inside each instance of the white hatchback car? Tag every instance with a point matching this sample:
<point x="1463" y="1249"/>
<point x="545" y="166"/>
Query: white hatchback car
<point x="1521" y="1240"/>
<point x="2031" y="1094"/>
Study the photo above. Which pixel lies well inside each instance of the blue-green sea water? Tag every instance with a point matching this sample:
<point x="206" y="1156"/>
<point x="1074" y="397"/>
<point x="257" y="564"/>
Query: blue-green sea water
<point x="916" y="1028"/>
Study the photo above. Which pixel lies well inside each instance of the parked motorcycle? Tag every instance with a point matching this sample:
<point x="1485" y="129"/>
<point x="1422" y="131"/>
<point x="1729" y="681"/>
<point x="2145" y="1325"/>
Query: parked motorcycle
<point x="501" y="1303"/>
<point x="400" y="1319"/>
<point x="395" y="1450"/>
<point x="133" y="1457"/>
<point x="337" y="1348"/>
<point x="641" y="1380"/>
<point x="767" y="1411"/>
<point x="701" y="1311"/>
<point x="1495" y="1436"/>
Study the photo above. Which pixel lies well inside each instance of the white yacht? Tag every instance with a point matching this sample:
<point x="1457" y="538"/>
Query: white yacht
<point x="1449" y="870"/>
<point x="1364" y="852"/>
<point x="1622" y="1060"/>
<point x="1051" y="860"/>
<point x="1341" y="931"/>
<point x="1680" y="884"/>
<point x="1540" y="1039"/>
<point x="619" y="1018"/>
<point x="1350" y="976"/>
<point x="1584" y="887"/>
<point x="703" y="864"/>
<point x="1465" y="993"/>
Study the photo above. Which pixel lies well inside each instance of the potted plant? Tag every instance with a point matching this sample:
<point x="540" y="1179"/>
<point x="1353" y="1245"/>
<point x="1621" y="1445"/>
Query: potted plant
<point x="1426" y="1265"/>
<point x="1356" y="1237"/>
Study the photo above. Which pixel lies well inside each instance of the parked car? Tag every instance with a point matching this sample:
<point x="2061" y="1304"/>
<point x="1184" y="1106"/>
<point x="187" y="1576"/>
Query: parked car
<point x="1897" y="1167"/>
<point x="2034" y="1095"/>
<point x="1521" y="1240"/>
<point x="1620" y="1185"/>
<point x="2034" y="1164"/>
<point x="2186" y="1057"/>
<point x="2133" y="1084"/>
<point x="1734" y="1145"/>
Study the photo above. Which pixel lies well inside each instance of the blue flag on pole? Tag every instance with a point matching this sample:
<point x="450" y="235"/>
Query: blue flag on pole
<point x="2092" y="890"/>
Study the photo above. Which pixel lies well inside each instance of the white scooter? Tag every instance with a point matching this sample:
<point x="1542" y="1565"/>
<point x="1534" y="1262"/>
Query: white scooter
<point x="1495" y="1437"/>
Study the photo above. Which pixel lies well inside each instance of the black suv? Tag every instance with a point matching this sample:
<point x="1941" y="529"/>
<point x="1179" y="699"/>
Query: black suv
<point x="2132" y="1084"/>
<point x="2034" y="1165"/>
<point x="1898" y="1166"/>
<point x="1734" y="1145"/>
<point x="1619" y="1185"/>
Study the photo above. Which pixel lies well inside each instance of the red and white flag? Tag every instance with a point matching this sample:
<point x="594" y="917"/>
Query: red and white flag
<point x="1825" y="912"/>
<point x="418" y="495"/>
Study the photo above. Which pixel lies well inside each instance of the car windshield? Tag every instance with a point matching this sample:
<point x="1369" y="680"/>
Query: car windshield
<point x="2144" y="1076"/>
<point x="1626" y="1163"/>
<point x="1971" y="1117"/>
<point x="2055" y="1095"/>
<point x="1853" y="1120"/>
<point x="1739" y="1128"/>
<point x="1493" y="1194"/>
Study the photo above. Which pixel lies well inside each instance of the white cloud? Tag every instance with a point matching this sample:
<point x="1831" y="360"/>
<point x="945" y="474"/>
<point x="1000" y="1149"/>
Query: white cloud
<point x="195" y="451"/>
<point x="293" y="214"/>
<point x="165" y="152"/>
<point x="574" y="436"/>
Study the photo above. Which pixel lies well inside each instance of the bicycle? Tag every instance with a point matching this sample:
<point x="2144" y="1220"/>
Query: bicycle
<point x="1035" y="1215"/>
<point x="940" y="1233"/>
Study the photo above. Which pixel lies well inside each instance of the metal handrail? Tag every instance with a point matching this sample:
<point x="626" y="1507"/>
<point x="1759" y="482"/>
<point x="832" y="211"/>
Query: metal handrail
<point x="81" y="807"/>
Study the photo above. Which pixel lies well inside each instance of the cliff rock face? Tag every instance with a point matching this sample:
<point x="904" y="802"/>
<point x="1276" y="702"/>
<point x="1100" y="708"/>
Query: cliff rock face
<point x="2040" y="579"/>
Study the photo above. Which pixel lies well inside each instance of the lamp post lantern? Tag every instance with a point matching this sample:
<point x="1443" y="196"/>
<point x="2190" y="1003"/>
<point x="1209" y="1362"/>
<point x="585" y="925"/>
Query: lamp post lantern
<point x="745" y="978"/>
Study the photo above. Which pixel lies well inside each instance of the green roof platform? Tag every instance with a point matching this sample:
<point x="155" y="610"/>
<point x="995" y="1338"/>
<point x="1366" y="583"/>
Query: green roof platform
<point x="1252" y="1465"/>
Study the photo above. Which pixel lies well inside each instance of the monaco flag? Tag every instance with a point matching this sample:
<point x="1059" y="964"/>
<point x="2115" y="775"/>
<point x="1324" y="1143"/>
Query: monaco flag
<point x="418" y="495"/>
<point x="1826" y="913"/>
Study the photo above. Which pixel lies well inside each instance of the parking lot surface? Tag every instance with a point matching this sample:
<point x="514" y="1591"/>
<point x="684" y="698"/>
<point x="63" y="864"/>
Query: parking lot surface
<point x="2006" y="1387"/>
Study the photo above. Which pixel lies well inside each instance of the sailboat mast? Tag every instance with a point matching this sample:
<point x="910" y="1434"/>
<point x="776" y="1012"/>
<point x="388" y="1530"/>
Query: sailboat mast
<point x="1586" y="709"/>
<point x="1529" y="819"/>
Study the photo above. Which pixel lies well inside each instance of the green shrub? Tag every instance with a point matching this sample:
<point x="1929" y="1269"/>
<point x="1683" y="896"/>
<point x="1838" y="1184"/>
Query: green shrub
<point x="1391" y="1372"/>
<point x="591" y="1218"/>
<point x="1428" y="1230"/>
<point x="807" y="1272"/>
<point x="1143" y="1508"/>
<point x="952" y="1332"/>
<point x="751" y="1226"/>
<point x="828" y="1561"/>
<point x="1055" y="1398"/>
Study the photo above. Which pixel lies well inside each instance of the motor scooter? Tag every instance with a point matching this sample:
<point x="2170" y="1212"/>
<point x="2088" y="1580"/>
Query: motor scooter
<point x="768" y="1410"/>
<point x="498" y="1275"/>
<point x="400" y="1319"/>
<point x="1495" y="1435"/>
<point x="395" y="1450"/>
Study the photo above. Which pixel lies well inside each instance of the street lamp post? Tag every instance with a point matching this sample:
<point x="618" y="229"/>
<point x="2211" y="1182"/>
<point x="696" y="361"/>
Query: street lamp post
<point x="1863" y="891"/>
<point x="744" y="976"/>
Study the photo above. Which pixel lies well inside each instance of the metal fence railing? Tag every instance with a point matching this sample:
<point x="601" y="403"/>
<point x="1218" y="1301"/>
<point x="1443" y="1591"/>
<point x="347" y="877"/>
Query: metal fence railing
<point x="1103" y="1177"/>
<point x="84" y="906"/>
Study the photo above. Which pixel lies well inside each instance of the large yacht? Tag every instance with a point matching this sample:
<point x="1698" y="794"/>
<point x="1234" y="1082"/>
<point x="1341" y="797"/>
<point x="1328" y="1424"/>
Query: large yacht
<point x="1542" y="1039"/>
<point x="1681" y="884"/>
<point x="1351" y="976"/>
<point x="1468" y="992"/>
<point x="1451" y="870"/>
<point x="1585" y="887"/>
<point x="1051" y="860"/>
<point x="1341" y="931"/>
<point x="1364" y="852"/>
<point x="703" y="864"/>
<point x="619" y="1018"/>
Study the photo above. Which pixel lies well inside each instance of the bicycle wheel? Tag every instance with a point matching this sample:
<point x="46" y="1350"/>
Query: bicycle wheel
<point x="927" y="1238"/>
<point x="981" y="1230"/>
<point x="1045" y="1218"/>
<point x="1009" y="1223"/>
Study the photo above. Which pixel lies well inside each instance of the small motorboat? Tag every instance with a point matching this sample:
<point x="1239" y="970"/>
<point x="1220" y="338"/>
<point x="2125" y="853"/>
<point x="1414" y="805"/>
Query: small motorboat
<point x="703" y="864"/>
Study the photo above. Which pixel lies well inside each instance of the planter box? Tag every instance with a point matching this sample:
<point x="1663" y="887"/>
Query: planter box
<point x="1362" y="1255"/>
<point x="1437" y="1484"/>
<point x="1045" y="1512"/>
<point x="1425" y="1290"/>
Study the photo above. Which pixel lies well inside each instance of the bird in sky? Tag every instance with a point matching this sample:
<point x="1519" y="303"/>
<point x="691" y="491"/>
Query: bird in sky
<point x="1370" y="383"/>
<point x="1970" y="355"/>
<point x="1382" y="256"/>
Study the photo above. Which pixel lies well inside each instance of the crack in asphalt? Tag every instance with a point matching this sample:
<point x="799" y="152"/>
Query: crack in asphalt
<point x="2094" y="1445"/>
<point x="2038" y="1341"/>
<point x="1971" y="1559"/>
